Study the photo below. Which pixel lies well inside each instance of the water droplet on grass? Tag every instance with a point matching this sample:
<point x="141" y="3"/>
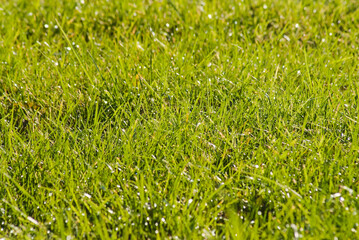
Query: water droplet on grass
<point x="87" y="195"/>
<point x="32" y="220"/>
<point x="140" y="47"/>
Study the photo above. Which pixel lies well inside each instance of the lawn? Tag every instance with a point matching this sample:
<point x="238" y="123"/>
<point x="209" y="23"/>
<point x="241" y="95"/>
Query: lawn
<point x="179" y="119"/>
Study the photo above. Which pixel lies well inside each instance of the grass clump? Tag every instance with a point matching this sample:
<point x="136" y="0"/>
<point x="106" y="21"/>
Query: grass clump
<point x="179" y="119"/>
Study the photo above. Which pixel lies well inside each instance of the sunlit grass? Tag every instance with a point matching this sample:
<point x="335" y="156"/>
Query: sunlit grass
<point x="179" y="119"/>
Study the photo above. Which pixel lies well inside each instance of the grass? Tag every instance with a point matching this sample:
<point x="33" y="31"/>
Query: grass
<point x="179" y="119"/>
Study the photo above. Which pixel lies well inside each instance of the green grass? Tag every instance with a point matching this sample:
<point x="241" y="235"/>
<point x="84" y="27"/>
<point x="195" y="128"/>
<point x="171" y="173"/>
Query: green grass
<point x="179" y="119"/>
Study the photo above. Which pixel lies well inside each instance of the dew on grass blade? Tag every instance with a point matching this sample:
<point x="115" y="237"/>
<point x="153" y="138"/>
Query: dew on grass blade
<point x="335" y="195"/>
<point x="87" y="195"/>
<point x="32" y="220"/>
<point x="140" y="47"/>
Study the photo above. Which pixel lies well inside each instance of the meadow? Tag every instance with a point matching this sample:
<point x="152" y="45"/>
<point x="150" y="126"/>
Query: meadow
<point x="179" y="119"/>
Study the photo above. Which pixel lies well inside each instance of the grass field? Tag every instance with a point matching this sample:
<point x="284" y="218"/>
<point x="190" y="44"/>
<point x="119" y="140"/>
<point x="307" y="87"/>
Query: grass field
<point x="179" y="119"/>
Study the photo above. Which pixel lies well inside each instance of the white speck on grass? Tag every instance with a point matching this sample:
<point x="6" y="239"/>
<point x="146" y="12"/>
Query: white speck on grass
<point x="161" y="43"/>
<point x="265" y="6"/>
<point x="46" y="26"/>
<point x="32" y="220"/>
<point x="209" y="16"/>
<point x="212" y="145"/>
<point x="335" y="195"/>
<point x="87" y="195"/>
<point x="351" y="191"/>
<point x="286" y="38"/>
<point x="140" y="47"/>
<point x="108" y="165"/>
<point x="190" y="201"/>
